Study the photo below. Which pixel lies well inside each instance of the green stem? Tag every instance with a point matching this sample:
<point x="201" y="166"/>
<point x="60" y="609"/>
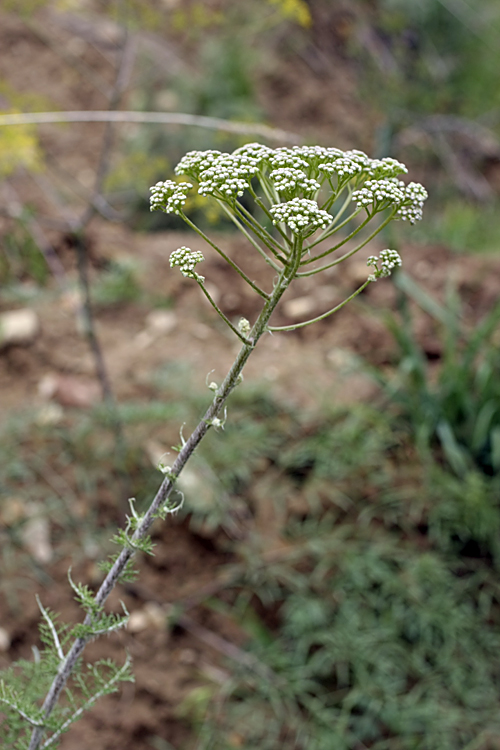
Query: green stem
<point x="249" y="236"/>
<point x="320" y="317"/>
<point x="268" y="189"/>
<point x="263" y="207"/>
<point x="262" y="233"/>
<point x="226" y="257"/>
<point x="218" y="310"/>
<point x="336" y="194"/>
<point x="342" y="242"/>
<point x="333" y="228"/>
<point x="351" y="252"/>
<point x="167" y="486"/>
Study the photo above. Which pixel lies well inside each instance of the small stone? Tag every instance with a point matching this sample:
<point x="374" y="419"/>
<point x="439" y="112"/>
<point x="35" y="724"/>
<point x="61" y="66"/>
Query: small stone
<point x="18" y="327"/>
<point x="4" y="640"/>
<point x="299" y="307"/>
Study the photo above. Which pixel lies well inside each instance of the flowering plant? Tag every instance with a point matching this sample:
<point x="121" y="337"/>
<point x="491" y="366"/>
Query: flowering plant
<point x="297" y="191"/>
<point x="302" y="198"/>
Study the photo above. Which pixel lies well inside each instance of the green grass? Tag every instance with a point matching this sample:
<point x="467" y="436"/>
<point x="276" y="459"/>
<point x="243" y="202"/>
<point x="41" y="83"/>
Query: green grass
<point x="461" y="225"/>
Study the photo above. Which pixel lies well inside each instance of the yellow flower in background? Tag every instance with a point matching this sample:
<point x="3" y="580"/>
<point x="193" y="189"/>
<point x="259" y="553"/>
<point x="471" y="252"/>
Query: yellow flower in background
<point x="19" y="144"/>
<point x="19" y="147"/>
<point x="294" y="10"/>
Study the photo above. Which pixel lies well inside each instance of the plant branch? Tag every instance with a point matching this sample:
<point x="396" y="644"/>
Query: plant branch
<point x="226" y="257"/>
<point x="320" y="317"/>
<point x="95" y="347"/>
<point x="219" y="311"/>
<point x="261" y="233"/>
<point x="104" y="691"/>
<point x="249" y="237"/>
<point x="167" y="486"/>
<point x="351" y="252"/>
<point x="333" y="228"/>
<point x="339" y="244"/>
<point x="123" y="74"/>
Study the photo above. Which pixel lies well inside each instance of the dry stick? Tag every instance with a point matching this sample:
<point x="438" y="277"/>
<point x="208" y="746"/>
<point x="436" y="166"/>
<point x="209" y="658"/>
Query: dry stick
<point x="122" y="78"/>
<point x="124" y="70"/>
<point x="88" y="321"/>
<point x="161" y="118"/>
<point x="100" y="203"/>
<point x="230" y="382"/>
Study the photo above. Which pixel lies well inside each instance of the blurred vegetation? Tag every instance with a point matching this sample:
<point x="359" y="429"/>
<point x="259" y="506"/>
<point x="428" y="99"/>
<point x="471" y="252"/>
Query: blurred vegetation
<point x="19" y="144"/>
<point x="20" y="258"/>
<point x="459" y="408"/>
<point x="435" y="57"/>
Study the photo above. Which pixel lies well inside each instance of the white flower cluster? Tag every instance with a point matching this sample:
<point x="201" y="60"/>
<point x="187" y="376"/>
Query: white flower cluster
<point x="186" y="259"/>
<point x="301" y="215"/>
<point x="380" y="194"/>
<point x="343" y="166"/>
<point x="169" y="196"/>
<point x="288" y="180"/>
<point x="411" y="210"/>
<point x="195" y="162"/>
<point x="228" y="176"/>
<point x="389" y="259"/>
<point x="385" y="168"/>
<point x="224" y="175"/>
<point x="392" y="192"/>
<point x="287" y="158"/>
<point x="297" y="174"/>
<point x="255" y="152"/>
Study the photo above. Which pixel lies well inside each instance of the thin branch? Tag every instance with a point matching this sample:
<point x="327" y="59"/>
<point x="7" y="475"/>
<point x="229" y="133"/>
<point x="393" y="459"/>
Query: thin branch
<point x="339" y="244"/>
<point x="122" y="78"/>
<point x="233" y="265"/>
<point x="333" y="228"/>
<point x="320" y="317"/>
<point x="52" y="629"/>
<point x="351" y="252"/>
<point x="104" y="691"/>
<point x="161" y="118"/>
<point x="219" y="311"/>
<point x="249" y="237"/>
<point x="264" y="208"/>
<point x="263" y="235"/>
<point x="95" y="347"/>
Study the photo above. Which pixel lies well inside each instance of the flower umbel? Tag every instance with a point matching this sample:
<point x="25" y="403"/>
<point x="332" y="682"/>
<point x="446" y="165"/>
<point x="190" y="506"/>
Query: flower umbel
<point x="169" y="196"/>
<point x="389" y="259"/>
<point x="186" y="259"/>
<point x="301" y="215"/>
<point x="415" y="196"/>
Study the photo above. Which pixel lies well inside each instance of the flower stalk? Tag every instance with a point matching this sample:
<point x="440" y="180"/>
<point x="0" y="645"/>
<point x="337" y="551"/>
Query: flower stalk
<point x="295" y="188"/>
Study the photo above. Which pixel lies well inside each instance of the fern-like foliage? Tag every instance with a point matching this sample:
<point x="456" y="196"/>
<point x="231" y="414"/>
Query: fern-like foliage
<point x="24" y="685"/>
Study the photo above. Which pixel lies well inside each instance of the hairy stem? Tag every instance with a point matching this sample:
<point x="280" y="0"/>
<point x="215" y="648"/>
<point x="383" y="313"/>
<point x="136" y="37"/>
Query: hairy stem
<point x="230" y="382"/>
